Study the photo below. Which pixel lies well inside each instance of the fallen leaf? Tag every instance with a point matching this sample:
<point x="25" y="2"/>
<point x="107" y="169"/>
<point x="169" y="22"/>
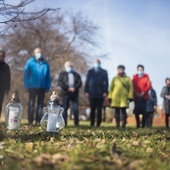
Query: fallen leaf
<point x="149" y="150"/>
<point x="43" y="159"/>
<point x="135" y="143"/>
<point x="29" y="146"/>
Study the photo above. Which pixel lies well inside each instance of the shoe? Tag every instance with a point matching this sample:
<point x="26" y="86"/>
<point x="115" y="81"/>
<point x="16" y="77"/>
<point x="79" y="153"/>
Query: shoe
<point x="37" y="123"/>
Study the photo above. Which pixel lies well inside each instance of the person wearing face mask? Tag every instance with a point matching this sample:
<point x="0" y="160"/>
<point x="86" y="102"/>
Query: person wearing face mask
<point x="142" y="85"/>
<point x="37" y="81"/>
<point x="165" y="94"/>
<point x="151" y="107"/>
<point x="120" y="94"/>
<point x="4" y="78"/>
<point x="70" y="83"/>
<point x="96" y="89"/>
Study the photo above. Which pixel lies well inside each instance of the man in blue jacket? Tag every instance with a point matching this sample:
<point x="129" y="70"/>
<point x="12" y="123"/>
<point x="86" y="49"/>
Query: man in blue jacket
<point x="96" y="88"/>
<point x="37" y="81"/>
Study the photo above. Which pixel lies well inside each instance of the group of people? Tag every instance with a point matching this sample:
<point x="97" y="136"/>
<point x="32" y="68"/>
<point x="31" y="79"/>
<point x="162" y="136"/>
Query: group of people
<point x="122" y="91"/>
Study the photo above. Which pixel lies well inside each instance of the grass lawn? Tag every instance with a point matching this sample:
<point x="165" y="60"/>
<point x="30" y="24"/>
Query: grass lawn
<point x="86" y="148"/>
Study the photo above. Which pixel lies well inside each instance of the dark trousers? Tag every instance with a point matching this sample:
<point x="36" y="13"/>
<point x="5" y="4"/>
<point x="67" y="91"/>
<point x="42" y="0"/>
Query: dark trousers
<point x="138" y="123"/>
<point x="140" y="108"/>
<point x="167" y="120"/>
<point x="2" y="94"/>
<point x="149" y="120"/>
<point x="117" y="117"/>
<point x="33" y="93"/>
<point x="66" y="101"/>
<point x="96" y="104"/>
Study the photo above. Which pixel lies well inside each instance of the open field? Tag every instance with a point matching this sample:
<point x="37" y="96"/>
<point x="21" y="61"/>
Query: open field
<point x="86" y="148"/>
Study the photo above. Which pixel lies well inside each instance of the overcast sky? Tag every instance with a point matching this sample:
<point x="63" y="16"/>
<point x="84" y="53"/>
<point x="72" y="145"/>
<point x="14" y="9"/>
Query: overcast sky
<point x="133" y="32"/>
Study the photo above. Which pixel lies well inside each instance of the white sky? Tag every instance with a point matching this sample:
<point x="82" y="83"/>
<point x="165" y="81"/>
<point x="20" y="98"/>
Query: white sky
<point x="133" y="32"/>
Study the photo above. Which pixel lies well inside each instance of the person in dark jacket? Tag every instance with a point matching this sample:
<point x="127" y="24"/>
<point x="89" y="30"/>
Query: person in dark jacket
<point x="151" y="107"/>
<point x="37" y="81"/>
<point x="96" y="89"/>
<point x="70" y="83"/>
<point x="4" y="78"/>
<point x="165" y="94"/>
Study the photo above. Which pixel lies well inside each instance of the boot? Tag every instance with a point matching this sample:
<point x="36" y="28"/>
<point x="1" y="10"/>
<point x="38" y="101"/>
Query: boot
<point x="167" y="120"/>
<point x="117" y="121"/>
<point x="124" y="121"/>
<point x="137" y="120"/>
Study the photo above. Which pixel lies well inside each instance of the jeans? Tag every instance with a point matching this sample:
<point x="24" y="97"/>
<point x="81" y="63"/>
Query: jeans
<point x="117" y="116"/>
<point x="33" y="93"/>
<point x="2" y="94"/>
<point x="66" y="101"/>
<point x="96" y="104"/>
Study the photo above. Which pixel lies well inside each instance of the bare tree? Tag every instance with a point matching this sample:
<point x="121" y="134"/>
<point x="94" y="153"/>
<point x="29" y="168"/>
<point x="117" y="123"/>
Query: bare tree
<point x="64" y="36"/>
<point x="13" y="14"/>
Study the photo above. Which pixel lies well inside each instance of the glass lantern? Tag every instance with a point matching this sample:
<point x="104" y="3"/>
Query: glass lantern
<point x="53" y="121"/>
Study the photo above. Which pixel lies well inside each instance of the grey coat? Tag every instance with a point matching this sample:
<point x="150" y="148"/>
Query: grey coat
<point x="166" y="102"/>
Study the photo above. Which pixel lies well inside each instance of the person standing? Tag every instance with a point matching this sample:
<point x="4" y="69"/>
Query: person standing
<point x="120" y="94"/>
<point x="4" y="78"/>
<point x="142" y="85"/>
<point x="70" y="83"/>
<point x="151" y="107"/>
<point x="37" y="81"/>
<point x="96" y="89"/>
<point x="165" y="94"/>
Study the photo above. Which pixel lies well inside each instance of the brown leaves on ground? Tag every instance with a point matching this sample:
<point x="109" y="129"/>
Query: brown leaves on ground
<point x="47" y="159"/>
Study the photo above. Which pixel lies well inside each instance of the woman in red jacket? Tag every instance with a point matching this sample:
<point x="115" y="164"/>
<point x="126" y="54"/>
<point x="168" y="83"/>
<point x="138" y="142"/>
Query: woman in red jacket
<point x="142" y="85"/>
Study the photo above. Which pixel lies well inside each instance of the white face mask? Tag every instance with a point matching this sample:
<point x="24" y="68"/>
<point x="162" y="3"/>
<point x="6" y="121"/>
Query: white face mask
<point x="69" y="69"/>
<point x="38" y="56"/>
<point x="140" y="73"/>
<point x="96" y="65"/>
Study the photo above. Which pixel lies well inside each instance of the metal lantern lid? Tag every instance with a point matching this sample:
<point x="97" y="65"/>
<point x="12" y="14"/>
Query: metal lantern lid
<point x="54" y="99"/>
<point x="15" y="97"/>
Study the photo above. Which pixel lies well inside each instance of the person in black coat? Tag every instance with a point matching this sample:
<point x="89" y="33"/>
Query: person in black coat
<point x="70" y="82"/>
<point x="151" y="107"/>
<point x="96" y="89"/>
<point x="4" y="78"/>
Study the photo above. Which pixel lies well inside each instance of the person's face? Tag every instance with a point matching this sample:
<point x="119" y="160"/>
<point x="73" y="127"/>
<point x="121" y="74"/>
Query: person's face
<point x="96" y="64"/>
<point x="140" y="69"/>
<point x="37" y="51"/>
<point x="120" y="70"/>
<point x="69" y="65"/>
<point x="168" y="83"/>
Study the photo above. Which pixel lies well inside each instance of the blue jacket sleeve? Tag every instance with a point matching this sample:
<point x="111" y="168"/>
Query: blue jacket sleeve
<point x="27" y="75"/>
<point x="48" y="78"/>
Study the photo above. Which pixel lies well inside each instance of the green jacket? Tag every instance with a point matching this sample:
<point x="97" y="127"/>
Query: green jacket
<point x="121" y="90"/>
